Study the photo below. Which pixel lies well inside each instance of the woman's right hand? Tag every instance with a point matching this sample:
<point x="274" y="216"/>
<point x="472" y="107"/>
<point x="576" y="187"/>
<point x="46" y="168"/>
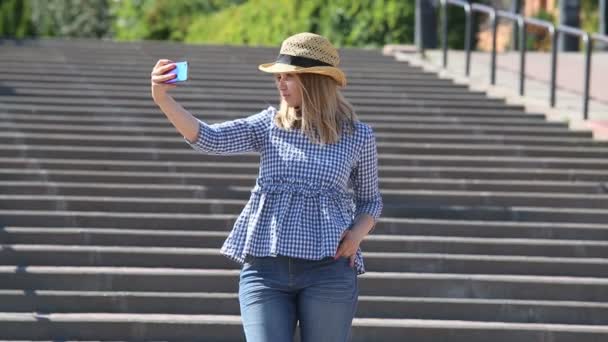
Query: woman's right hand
<point x="159" y="76"/>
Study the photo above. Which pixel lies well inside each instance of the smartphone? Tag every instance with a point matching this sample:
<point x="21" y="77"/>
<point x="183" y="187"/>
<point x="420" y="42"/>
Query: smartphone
<point x="181" y="69"/>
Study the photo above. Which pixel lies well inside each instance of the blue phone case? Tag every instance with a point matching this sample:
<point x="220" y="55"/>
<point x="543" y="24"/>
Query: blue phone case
<point x="181" y="69"/>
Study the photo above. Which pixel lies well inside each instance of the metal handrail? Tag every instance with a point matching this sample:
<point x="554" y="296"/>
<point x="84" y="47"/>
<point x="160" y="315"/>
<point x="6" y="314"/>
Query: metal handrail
<point x="522" y="23"/>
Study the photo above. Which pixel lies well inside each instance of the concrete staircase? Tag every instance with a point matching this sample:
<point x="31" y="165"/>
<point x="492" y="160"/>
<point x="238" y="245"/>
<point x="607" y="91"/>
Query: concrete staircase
<point x="495" y="225"/>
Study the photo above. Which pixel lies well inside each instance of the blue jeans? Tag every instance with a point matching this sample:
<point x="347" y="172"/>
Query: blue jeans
<point x="277" y="292"/>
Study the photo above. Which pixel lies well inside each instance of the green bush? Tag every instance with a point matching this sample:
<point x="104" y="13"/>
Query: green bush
<point x="15" y="19"/>
<point x="344" y="22"/>
<point x="457" y="25"/>
<point x="71" y="18"/>
<point x="590" y="15"/>
<point x="160" y="20"/>
<point x="538" y="38"/>
<point x="54" y="18"/>
<point x="360" y="23"/>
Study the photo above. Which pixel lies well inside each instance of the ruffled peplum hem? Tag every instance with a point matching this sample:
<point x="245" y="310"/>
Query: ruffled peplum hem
<point x="299" y="218"/>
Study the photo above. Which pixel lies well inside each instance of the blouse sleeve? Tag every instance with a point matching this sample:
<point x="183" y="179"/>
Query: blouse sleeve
<point x="364" y="178"/>
<point x="231" y="137"/>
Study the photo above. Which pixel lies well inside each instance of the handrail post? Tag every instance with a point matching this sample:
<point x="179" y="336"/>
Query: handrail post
<point x="554" y="40"/>
<point x="588" y="47"/>
<point x="554" y="30"/>
<point x="521" y="23"/>
<point x="603" y="29"/>
<point x="467" y="39"/>
<point x="494" y="21"/>
<point x="444" y="21"/>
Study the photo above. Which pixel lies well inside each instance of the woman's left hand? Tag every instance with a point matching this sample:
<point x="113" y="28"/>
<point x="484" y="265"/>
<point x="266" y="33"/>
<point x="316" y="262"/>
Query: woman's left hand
<point x="349" y="244"/>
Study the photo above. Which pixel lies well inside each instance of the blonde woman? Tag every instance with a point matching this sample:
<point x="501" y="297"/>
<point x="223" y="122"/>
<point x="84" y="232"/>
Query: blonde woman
<point x="297" y="238"/>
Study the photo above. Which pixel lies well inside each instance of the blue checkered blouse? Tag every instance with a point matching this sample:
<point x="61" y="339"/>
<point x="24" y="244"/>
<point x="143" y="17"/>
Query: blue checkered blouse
<point x="301" y="202"/>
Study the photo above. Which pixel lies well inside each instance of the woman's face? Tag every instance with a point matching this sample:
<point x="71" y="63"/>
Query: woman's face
<point x="289" y="89"/>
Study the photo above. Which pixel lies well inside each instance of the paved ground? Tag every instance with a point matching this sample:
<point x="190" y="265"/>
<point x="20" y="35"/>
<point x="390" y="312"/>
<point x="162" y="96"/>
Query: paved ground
<point x="570" y="76"/>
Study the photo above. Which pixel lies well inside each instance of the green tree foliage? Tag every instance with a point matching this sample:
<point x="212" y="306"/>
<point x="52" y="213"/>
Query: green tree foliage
<point x="71" y="18"/>
<point x="344" y="22"/>
<point x="56" y="18"/>
<point x="538" y="37"/>
<point x="456" y="25"/>
<point x="160" y="20"/>
<point x="256" y="22"/>
<point x="590" y="15"/>
<point x="15" y="19"/>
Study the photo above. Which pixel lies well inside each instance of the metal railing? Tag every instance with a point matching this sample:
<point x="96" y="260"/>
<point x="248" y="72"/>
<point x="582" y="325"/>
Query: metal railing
<point x="522" y="23"/>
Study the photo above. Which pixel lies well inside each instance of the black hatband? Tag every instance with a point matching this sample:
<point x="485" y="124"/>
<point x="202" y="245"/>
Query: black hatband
<point x="300" y="61"/>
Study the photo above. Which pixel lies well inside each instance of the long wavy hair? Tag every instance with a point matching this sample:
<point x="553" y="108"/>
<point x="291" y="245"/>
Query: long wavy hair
<point x="324" y="114"/>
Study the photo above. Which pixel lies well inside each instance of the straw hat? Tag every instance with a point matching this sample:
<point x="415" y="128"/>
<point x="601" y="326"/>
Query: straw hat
<point x="307" y="53"/>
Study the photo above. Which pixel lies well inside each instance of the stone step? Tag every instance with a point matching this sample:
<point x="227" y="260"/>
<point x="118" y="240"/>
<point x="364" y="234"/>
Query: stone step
<point x="530" y="141"/>
<point x="244" y="102"/>
<point x="180" y="176"/>
<point x="418" y="148"/>
<point x="197" y="56"/>
<point x="165" y="141"/>
<point x="224" y="328"/>
<point x="455" y="92"/>
<point x="560" y="177"/>
<point x="267" y="90"/>
<point x="386" y="147"/>
<point x="373" y="243"/>
<point x="231" y="68"/>
<point x="239" y="111"/>
<point x="124" y="204"/>
<point x="235" y="110"/>
<point x="224" y="72"/>
<point x="436" y="207"/>
<point x="483" y="310"/>
<point x="148" y="51"/>
<point x="113" y="217"/>
<point x="117" y="184"/>
<point x="157" y="122"/>
<point x="210" y="258"/>
<point x="34" y="128"/>
<point x="253" y="96"/>
<point x="428" y="198"/>
<point x="188" y="154"/>
<point x="149" y="116"/>
<point x="232" y="202"/>
<point x="208" y="59"/>
<point x="455" y="211"/>
<point x="197" y="77"/>
<point x="129" y="327"/>
<point x="491" y="229"/>
<point x="201" y="57"/>
<point x="493" y="150"/>
<point x="244" y="80"/>
<point x="241" y="58"/>
<point x="386" y="225"/>
<point x="371" y="283"/>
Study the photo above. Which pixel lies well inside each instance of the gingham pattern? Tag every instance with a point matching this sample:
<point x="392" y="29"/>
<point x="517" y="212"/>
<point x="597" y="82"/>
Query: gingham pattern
<point x="301" y="202"/>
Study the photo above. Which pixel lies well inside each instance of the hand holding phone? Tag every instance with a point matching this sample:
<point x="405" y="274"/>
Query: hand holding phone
<point x="181" y="70"/>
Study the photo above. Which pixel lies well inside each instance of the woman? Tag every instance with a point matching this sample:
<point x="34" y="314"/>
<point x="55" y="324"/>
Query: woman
<point x="298" y="236"/>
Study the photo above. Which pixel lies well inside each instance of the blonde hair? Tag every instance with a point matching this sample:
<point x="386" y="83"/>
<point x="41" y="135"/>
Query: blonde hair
<point x="324" y="114"/>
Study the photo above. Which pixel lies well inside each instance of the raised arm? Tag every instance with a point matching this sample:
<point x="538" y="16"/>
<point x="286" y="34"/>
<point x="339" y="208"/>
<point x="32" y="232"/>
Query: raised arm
<point x="183" y="121"/>
<point x="235" y="136"/>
